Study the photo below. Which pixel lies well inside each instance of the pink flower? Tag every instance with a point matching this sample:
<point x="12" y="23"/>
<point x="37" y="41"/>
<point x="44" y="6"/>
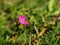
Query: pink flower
<point x="22" y="20"/>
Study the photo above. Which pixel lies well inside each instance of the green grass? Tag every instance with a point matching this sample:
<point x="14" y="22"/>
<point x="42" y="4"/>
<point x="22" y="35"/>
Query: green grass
<point x="44" y="18"/>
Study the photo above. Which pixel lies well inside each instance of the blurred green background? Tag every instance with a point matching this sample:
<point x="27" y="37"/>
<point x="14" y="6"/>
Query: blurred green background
<point x="39" y="13"/>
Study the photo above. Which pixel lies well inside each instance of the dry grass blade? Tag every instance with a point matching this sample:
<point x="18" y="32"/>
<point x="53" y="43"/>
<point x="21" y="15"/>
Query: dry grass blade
<point x="44" y="28"/>
<point x="36" y="29"/>
<point x="12" y="39"/>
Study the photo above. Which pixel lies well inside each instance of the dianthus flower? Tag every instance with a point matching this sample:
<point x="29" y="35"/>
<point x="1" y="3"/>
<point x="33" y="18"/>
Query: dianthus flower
<point x="22" y="20"/>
